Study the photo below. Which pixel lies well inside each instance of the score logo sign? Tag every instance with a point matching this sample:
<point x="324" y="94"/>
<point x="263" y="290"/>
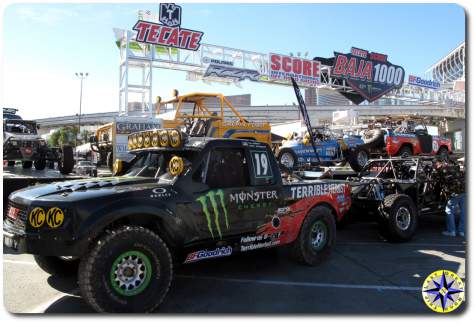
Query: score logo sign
<point x="369" y="74"/>
<point x="304" y="71"/>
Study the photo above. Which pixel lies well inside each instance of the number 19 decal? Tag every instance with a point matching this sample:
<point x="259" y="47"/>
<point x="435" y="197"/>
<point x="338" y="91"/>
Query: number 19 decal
<point x="261" y="163"/>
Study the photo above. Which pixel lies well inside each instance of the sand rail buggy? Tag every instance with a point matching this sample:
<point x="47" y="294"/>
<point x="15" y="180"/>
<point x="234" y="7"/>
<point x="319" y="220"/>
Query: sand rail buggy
<point x="396" y="191"/>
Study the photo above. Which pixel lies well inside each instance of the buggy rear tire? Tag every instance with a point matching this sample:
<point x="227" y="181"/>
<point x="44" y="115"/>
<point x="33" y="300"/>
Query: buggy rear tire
<point x="358" y="158"/>
<point x="317" y="237"/>
<point x="56" y="266"/>
<point x="26" y="164"/>
<point x="66" y="162"/>
<point x="127" y="270"/>
<point x="40" y="164"/>
<point x="399" y="219"/>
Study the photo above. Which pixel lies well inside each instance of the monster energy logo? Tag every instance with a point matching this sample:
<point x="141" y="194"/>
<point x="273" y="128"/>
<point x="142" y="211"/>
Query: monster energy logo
<point x="214" y="196"/>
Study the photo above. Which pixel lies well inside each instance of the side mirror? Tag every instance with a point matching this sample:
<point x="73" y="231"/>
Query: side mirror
<point x="38" y="126"/>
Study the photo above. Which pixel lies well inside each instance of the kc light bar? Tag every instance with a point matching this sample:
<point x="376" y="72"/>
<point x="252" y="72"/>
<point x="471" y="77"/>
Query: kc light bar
<point x="157" y="138"/>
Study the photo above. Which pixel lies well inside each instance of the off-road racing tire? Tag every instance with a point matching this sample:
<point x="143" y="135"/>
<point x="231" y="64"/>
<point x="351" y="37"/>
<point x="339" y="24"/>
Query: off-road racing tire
<point x="374" y="138"/>
<point x="358" y="158"/>
<point x="66" y="163"/>
<point x="11" y="163"/>
<point x="26" y="164"/>
<point x="405" y="151"/>
<point x="392" y="225"/>
<point x="109" y="160"/>
<point x="443" y="152"/>
<point x="317" y="237"/>
<point x="287" y="153"/>
<point x="140" y="247"/>
<point x="40" y="164"/>
<point x="56" y="266"/>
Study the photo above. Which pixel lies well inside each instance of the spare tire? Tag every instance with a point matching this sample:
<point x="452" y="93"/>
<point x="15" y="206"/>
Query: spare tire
<point x="66" y="162"/>
<point x="374" y="138"/>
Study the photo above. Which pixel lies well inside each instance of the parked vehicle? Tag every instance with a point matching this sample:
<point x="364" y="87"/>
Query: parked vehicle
<point x="21" y="142"/>
<point x="181" y="200"/>
<point x="101" y="145"/>
<point x="405" y="137"/>
<point x="396" y="192"/>
<point x="85" y="167"/>
<point x="332" y="149"/>
<point x="213" y="115"/>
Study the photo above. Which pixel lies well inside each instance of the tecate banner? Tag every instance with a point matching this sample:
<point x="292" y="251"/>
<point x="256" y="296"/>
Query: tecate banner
<point x="369" y="74"/>
<point x="169" y="33"/>
<point x="305" y="72"/>
<point x="417" y="81"/>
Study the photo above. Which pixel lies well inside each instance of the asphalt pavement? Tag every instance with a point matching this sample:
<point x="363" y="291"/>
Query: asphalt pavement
<point x="364" y="275"/>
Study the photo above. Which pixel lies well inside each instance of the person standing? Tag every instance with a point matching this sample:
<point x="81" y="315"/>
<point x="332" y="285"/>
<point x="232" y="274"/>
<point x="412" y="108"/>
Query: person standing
<point x="453" y="188"/>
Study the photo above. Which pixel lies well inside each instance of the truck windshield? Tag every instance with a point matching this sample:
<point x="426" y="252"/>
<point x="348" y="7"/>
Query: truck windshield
<point x="155" y="164"/>
<point x="19" y="126"/>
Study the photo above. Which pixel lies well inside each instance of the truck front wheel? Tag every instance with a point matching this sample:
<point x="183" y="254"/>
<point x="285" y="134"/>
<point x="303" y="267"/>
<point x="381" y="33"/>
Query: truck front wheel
<point x="57" y="266"/>
<point x="358" y="158"/>
<point x="399" y="221"/>
<point x="317" y="237"/>
<point x="127" y="270"/>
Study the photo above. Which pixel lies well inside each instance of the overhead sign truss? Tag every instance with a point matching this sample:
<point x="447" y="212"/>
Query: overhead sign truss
<point x="231" y="66"/>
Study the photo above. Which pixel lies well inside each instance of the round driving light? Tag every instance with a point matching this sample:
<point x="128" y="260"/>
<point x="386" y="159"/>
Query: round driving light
<point x="175" y="138"/>
<point x="130" y="143"/>
<point x="155" y="136"/>
<point x="117" y="167"/>
<point x="147" y="141"/>
<point x="175" y="166"/>
<point x="134" y="141"/>
<point x="140" y="140"/>
<point x="164" y="138"/>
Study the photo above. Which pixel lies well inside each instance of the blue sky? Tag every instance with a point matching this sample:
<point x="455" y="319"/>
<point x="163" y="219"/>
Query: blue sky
<point x="45" y="44"/>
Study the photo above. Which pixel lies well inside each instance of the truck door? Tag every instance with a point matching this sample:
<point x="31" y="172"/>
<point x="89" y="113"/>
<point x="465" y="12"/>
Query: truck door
<point x="231" y="205"/>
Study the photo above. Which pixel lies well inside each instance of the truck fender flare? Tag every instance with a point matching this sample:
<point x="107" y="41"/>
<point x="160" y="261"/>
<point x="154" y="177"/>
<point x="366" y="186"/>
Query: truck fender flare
<point x="97" y="222"/>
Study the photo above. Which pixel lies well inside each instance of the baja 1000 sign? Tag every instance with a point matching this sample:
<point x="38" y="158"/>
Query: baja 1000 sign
<point x="369" y="74"/>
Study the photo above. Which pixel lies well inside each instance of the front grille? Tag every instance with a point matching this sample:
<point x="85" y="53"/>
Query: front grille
<point x="16" y="226"/>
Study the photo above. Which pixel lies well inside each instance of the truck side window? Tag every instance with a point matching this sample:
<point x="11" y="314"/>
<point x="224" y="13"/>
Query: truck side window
<point x="227" y="168"/>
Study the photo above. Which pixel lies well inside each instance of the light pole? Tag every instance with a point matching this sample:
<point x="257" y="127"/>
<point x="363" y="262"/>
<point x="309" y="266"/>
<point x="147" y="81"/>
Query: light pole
<point x="80" y="76"/>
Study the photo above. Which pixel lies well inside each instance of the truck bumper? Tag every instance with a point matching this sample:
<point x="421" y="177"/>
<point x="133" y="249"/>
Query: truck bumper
<point x="37" y="246"/>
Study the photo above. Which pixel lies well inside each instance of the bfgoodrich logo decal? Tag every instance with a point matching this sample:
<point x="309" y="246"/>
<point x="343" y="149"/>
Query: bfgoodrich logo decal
<point x="214" y="199"/>
<point x="207" y="254"/>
